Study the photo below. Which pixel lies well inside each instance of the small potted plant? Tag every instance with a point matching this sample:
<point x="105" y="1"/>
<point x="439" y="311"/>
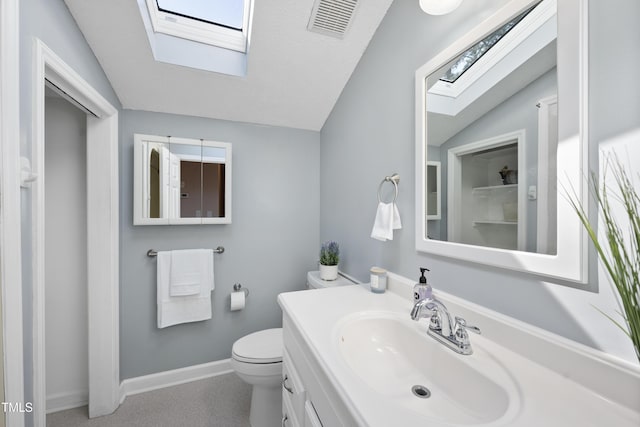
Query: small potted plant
<point x="329" y="258"/>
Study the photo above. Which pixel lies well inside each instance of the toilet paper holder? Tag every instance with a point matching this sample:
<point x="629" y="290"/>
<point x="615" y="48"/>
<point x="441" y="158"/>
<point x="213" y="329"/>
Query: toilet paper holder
<point x="238" y="287"/>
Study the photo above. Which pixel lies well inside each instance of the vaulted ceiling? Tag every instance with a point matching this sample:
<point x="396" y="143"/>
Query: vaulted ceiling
<point x="294" y="76"/>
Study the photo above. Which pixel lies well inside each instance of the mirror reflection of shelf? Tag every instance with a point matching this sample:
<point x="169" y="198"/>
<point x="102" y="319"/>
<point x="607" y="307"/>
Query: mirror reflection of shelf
<point x="495" y="205"/>
<point x="479" y="190"/>
<point x="494" y="222"/>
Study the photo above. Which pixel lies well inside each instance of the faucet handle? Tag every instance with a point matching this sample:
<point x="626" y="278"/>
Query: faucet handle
<point x="460" y="333"/>
<point x="461" y="324"/>
<point x="435" y="323"/>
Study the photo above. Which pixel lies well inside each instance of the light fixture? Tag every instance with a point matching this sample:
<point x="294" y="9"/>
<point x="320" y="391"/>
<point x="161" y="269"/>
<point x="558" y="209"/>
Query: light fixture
<point x="439" y="7"/>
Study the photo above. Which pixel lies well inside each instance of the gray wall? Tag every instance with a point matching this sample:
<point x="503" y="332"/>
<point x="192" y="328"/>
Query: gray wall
<point x="270" y="245"/>
<point x="51" y="22"/>
<point x="370" y="134"/>
<point x="615" y="60"/>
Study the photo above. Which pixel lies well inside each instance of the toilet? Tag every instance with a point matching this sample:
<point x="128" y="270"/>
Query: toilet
<point x="257" y="359"/>
<point x="315" y="282"/>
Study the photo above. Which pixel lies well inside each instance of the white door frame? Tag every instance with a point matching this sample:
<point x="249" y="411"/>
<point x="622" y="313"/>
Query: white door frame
<point x="547" y="205"/>
<point x="102" y="234"/>
<point x="10" y="216"/>
<point x="454" y="182"/>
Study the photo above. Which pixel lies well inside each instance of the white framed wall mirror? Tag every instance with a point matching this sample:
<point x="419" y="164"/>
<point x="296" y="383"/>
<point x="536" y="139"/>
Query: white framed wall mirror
<point x="181" y="181"/>
<point x="487" y="109"/>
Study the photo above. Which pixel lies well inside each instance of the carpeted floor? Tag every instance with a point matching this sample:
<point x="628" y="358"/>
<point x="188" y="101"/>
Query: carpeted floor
<point x="221" y="401"/>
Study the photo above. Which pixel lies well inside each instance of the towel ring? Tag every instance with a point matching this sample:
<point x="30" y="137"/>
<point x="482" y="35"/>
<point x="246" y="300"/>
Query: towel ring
<point x="394" y="179"/>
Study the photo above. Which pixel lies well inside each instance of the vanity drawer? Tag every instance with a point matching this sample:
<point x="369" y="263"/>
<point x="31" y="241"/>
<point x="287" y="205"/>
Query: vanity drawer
<point x="293" y="390"/>
<point x="289" y="416"/>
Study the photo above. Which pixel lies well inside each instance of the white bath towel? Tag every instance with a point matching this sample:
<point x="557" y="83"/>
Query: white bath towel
<point x="186" y="308"/>
<point x="387" y="220"/>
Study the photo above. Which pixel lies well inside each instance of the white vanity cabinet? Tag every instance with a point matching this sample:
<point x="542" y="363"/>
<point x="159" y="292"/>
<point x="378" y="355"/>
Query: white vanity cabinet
<point x="353" y="357"/>
<point x="313" y="401"/>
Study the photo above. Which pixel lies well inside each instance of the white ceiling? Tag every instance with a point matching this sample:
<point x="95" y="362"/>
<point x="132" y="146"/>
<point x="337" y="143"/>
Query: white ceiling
<point x="294" y="76"/>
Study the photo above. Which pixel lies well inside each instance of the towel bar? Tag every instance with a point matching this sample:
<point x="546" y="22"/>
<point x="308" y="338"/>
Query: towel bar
<point x="153" y="253"/>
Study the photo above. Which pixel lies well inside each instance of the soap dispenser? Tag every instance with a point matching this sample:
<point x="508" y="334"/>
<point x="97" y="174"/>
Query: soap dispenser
<point x="422" y="290"/>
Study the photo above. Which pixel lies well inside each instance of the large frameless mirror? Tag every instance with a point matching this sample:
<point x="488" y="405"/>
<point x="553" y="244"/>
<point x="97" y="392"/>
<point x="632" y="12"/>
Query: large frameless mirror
<point x="181" y="181"/>
<point x="487" y="111"/>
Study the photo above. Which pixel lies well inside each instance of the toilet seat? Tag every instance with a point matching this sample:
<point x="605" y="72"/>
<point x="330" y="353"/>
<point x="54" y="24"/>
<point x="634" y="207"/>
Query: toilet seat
<point x="262" y="347"/>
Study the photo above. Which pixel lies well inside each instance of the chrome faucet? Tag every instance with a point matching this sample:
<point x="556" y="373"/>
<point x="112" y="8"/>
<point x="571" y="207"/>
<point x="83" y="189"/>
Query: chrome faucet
<point x="434" y="309"/>
<point x="452" y="334"/>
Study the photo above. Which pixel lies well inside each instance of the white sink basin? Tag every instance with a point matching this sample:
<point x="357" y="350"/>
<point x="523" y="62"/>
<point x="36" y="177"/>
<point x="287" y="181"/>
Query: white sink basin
<point x="392" y="354"/>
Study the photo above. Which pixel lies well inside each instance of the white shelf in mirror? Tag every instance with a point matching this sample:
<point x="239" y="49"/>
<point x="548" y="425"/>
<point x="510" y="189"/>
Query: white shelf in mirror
<point x="495" y="187"/>
<point x="493" y="222"/>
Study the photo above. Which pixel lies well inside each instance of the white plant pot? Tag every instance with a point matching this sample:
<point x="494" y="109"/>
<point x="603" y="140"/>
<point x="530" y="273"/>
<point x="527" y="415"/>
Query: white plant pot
<point x="328" y="272"/>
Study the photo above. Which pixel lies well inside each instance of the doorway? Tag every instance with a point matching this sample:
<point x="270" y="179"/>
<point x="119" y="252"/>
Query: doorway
<point x="102" y="248"/>
<point x="66" y="313"/>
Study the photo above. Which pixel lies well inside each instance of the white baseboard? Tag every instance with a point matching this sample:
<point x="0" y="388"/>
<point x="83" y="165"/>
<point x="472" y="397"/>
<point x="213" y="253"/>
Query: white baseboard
<point x="159" y="380"/>
<point x="62" y="401"/>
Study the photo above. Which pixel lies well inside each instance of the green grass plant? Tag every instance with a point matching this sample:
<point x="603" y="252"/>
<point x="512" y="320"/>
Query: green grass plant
<point x="620" y="255"/>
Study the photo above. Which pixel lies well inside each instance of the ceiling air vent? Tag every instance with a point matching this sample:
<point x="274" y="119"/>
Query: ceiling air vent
<point x="332" y="17"/>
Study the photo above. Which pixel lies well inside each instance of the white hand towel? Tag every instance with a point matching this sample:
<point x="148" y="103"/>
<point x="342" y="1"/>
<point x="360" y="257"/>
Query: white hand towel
<point x="387" y="220"/>
<point x="182" y="309"/>
<point x="189" y="271"/>
<point x="397" y="224"/>
<point x="382" y="226"/>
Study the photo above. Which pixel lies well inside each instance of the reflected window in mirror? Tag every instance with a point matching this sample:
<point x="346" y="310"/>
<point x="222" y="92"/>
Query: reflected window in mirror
<point x="181" y="181"/>
<point x="469" y="57"/>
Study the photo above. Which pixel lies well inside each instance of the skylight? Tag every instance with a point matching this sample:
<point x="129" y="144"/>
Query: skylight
<point x="227" y="13"/>
<point x="220" y="23"/>
<point x="475" y="52"/>
<point x="209" y="35"/>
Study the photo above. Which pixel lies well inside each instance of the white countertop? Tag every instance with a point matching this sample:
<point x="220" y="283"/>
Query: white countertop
<point x="544" y="397"/>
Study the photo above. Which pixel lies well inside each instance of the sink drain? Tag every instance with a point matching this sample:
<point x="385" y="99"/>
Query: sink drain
<point x="421" y="391"/>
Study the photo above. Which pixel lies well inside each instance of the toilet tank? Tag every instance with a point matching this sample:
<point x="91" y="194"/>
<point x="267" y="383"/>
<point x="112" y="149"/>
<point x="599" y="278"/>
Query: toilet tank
<point x="315" y="282"/>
